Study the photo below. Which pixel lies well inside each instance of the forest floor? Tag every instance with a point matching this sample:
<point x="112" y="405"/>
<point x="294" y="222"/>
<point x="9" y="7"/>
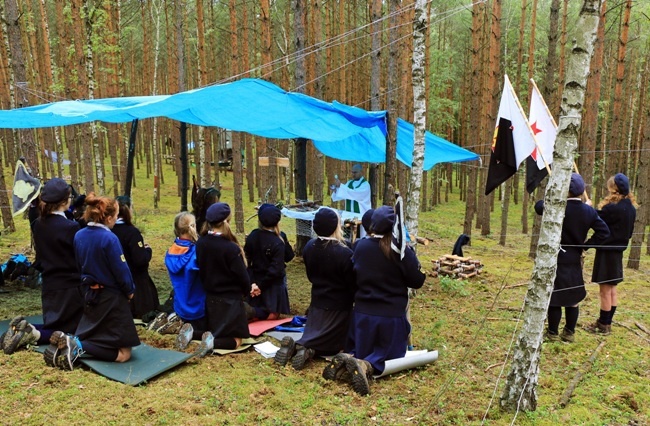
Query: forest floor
<point x="472" y="324"/>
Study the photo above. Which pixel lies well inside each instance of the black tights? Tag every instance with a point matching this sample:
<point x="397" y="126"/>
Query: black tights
<point x="555" y="315"/>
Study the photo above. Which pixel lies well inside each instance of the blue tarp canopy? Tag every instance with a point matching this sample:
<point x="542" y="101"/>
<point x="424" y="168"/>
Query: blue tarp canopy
<point x="253" y="106"/>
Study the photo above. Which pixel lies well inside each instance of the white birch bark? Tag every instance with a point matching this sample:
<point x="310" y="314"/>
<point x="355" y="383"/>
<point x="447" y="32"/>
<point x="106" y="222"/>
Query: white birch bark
<point x="520" y="392"/>
<point x="420" y="26"/>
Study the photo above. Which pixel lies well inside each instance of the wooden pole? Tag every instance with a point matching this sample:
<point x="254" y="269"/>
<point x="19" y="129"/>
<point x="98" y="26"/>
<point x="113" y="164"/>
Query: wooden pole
<point x="184" y="166"/>
<point x="129" y="159"/>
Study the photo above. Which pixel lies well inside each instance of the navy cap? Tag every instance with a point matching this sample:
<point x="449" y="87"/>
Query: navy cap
<point x="366" y="219"/>
<point x="577" y="185"/>
<point x="269" y="215"/>
<point x="382" y="220"/>
<point x="218" y="212"/>
<point x="622" y="183"/>
<point x="326" y="221"/>
<point x="55" y="190"/>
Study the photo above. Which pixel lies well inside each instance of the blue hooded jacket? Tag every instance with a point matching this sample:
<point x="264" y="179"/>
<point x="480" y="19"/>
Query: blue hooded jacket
<point x="189" y="296"/>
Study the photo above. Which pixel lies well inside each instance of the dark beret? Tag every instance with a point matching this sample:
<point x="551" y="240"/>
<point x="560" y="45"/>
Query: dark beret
<point x="55" y="190"/>
<point x="382" y="220"/>
<point x="269" y="215"/>
<point x="366" y="219"/>
<point x="218" y="212"/>
<point x="577" y="185"/>
<point x="622" y="183"/>
<point x="326" y="221"/>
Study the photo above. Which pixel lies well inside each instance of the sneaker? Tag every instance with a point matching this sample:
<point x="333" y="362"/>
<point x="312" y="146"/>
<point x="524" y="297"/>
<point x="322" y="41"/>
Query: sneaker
<point x="361" y="371"/>
<point x="551" y="337"/>
<point x="286" y="351"/>
<point x="206" y="346"/>
<point x="567" y="336"/>
<point x="157" y="322"/>
<point x="599" y="328"/>
<point x="52" y="351"/>
<point x="24" y="334"/>
<point x="336" y="370"/>
<point x="301" y="357"/>
<point x="172" y="326"/>
<point x="184" y="336"/>
<point x="69" y="351"/>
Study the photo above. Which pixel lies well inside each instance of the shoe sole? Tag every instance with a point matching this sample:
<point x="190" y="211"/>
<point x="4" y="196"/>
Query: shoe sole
<point x="184" y="337"/>
<point x="336" y="368"/>
<point x="299" y="360"/>
<point x="206" y="346"/>
<point x="157" y="322"/>
<point x="359" y="380"/>
<point x="50" y="354"/>
<point x="64" y="359"/>
<point x="286" y="351"/>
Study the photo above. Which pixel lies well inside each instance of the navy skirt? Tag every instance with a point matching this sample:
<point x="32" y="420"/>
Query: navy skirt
<point x="378" y="339"/>
<point x="326" y="331"/>
<point x="226" y="317"/>
<point x="274" y="299"/>
<point x="62" y="309"/>
<point x="608" y="267"/>
<point x="107" y="321"/>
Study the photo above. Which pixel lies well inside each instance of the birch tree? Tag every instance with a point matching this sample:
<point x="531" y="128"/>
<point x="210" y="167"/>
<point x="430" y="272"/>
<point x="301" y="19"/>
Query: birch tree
<point x="420" y="26"/>
<point x="520" y="392"/>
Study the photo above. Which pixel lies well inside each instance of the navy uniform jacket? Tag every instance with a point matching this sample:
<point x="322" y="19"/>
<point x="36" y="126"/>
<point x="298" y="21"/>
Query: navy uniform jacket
<point x="221" y="267"/>
<point x="382" y="284"/>
<point x="620" y="219"/>
<point x="266" y="254"/>
<point x="100" y="259"/>
<point x="53" y="242"/>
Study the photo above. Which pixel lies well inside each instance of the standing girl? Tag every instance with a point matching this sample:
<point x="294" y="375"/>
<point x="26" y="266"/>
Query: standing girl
<point x="618" y="210"/>
<point x="106" y="329"/>
<point x="267" y="249"/>
<point x="138" y="256"/>
<point x="222" y="270"/>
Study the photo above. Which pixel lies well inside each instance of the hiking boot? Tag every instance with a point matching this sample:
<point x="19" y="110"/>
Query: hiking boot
<point x="286" y="351"/>
<point x="599" y="328"/>
<point x="301" y="357"/>
<point x="11" y="330"/>
<point x="69" y="350"/>
<point x="157" y="322"/>
<point x="24" y="334"/>
<point x="551" y="337"/>
<point x="206" y="346"/>
<point x="567" y="336"/>
<point x="52" y="351"/>
<point x="184" y="336"/>
<point x="361" y="371"/>
<point x="336" y="370"/>
<point x="172" y="326"/>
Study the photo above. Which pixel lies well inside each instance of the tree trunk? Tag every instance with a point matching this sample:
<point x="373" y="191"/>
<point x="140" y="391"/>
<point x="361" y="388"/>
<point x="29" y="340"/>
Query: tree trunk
<point x="237" y="175"/>
<point x="616" y="158"/>
<point x="420" y="25"/>
<point x="300" y="160"/>
<point x="390" y="172"/>
<point x="18" y="69"/>
<point x="7" y="217"/>
<point x="642" y="192"/>
<point x="202" y="163"/>
<point x="520" y="392"/>
<point x="475" y="108"/>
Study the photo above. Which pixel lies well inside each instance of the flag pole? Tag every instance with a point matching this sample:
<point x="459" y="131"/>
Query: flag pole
<point x="548" y="169"/>
<point x="548" y="111"/>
